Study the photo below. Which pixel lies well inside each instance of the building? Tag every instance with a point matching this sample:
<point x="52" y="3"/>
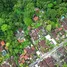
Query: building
<point x="47" y="62"/>
<point x="63" y="22"/>
<point x="20" y="35"/>
<point x="28" y="55"/>
<point x="2" y="44"/>
<point x="37" y="34"/>
<point x="58" y="34"/>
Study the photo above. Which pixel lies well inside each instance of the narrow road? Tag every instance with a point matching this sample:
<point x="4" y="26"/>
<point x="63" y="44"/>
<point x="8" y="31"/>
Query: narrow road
<point x="47" y="54"/>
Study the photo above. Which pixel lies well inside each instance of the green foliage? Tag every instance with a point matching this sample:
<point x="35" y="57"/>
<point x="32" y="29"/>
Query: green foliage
<point x="59" y="1"/>
<point x="51" y="14"/>
<point x="64" y="65"/>
<point x="1" y="21"/>
<point x="50" y="5"/>
<point x="65" y="44"/>
<point x="5" y="27"/>
<point x="28" y="21"/>
<point x="48" y="28"/>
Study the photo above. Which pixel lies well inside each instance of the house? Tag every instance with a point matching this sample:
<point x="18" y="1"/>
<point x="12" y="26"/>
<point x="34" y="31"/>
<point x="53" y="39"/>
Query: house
<point x="34" y="33"/>
<point x="42" y="64"/>
<point x="2" y="43"/>
<point x="48" y="37"/>
<point x="58" y="34"/>
<point x="30" y="54"/>
<point x="61" y="51"/>
<point x="39" y="53"/>
<point x="47" y="62"/>
<point x="20" y="35"/>
<point x="35" y="18"/>
<point x="4" y="52"/>
<point x="42" y="43"/>
<point x="63" y="22"/>
<point x="50" y="61"/>
<point x="36" y="9"/>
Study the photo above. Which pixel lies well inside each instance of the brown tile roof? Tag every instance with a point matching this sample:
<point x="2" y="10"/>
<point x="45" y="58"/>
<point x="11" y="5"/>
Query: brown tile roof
<point x="43" y="64"/>
<point x="54" y="34"/>
<point x="51" y="64"/>
<point x="43" y="44"/>
<point x="30" y="50"/>
<point x="49" y="61"/>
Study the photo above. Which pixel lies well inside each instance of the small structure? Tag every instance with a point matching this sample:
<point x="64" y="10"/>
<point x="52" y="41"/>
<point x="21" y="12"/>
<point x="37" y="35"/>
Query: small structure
<point x="37" y="9"/>
<point x="2" y="43"/>
<point x="63" y="22"/>
<point x="4" y="52"/>
<point x="48" y="37"/>
<point x="50" y="61"/>
<point x="35" y="18"/>
<point x="61" y="51"/>
<point x="20" y="35"/>
<point x="43" y="44"/>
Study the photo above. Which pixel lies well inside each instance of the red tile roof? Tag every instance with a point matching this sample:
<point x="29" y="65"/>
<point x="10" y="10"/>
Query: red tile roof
<point x="60" y="29"/>
<point x="35" y="18"/>
<point x="2" y="43"/>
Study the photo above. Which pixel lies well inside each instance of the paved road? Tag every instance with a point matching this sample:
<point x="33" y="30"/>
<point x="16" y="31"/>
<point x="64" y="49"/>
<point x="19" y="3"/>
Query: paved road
<point x="47" y="54"/>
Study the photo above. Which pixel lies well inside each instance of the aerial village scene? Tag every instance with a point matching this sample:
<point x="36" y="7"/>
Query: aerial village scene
<point x="33" y="33"/>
